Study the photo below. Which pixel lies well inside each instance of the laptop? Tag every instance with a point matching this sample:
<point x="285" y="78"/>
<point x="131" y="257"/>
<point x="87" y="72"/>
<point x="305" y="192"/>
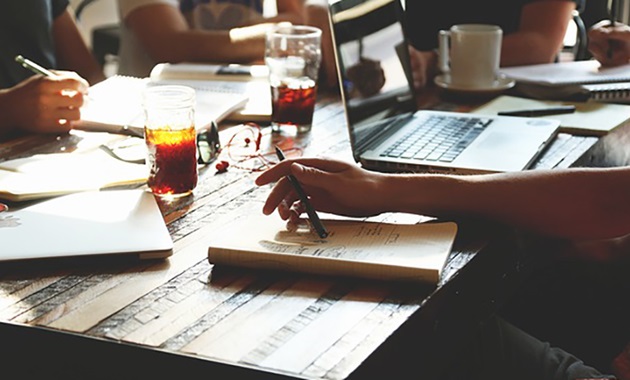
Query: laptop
<point x="112" y="222"/>
<point x="388" y="132"/>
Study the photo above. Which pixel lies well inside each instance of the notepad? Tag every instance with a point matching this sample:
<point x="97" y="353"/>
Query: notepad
<point x="250" y="80"/>
<point x="589" y="118"/>
<point x="568" y="73"/>
<point x="116" y="103"/>
<point x="375" y="250"/>
<point x="87" y="167"/>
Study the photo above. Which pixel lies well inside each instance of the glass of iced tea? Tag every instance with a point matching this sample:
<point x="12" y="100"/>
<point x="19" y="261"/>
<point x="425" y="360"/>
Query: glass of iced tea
<point x="293" y="56"/>
<point x="169" y="132"/>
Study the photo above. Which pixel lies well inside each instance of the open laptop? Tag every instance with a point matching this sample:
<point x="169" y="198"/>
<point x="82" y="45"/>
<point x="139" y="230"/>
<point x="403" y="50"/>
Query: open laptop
<point x="388" y="133"/>
<point x="112" y="222"/>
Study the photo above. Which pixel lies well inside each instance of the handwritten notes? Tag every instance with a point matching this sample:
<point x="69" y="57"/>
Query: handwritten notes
<point x="354" y="248"/>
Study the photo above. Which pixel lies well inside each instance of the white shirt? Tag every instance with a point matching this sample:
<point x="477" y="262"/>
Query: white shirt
<point x="134" y="60"/>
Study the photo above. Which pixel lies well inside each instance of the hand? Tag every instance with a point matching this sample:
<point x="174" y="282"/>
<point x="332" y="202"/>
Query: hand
<point x="333" y="186"/>
<point x="423" y="66"/>
<point x="44" y="104"/>
<point x="603" y="37"/>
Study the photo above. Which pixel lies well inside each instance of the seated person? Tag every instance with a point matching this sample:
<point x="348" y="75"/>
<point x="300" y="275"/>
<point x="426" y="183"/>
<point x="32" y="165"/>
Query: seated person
<point x="583" y="205"/>
<point x="45" y="32"/>
<point x="155" y="31"/>
<point x="533" y="30"/>
<point x="610" y="45"/>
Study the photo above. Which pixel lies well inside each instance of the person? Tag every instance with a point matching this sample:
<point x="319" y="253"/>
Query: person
<point x="533" y="30"/>
<point x="604" y="39"/>
<point x="584" y="205"/>
<point x="214" y="31"/>
<point x="45" y="32"/>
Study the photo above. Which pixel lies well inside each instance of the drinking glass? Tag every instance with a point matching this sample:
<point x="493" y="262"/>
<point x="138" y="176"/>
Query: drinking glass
<point x="293" y="56"/>
<point x="169" y="132"/>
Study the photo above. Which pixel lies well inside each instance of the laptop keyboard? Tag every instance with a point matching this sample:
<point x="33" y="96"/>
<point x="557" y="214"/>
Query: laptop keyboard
<point x="438" y="138"/>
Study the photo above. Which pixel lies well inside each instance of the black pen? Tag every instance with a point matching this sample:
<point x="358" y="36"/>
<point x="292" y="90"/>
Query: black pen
<point x="539" y="111"/>
<point x="613" y="15"/>
<point x="310" y="211"/>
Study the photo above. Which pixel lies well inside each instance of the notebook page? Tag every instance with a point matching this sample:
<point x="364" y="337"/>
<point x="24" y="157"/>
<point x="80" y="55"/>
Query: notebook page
<point x="355" y="248"/>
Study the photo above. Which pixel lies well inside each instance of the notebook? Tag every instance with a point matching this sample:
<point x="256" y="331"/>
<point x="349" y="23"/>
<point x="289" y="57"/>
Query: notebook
<point x="115" y="105"/>
<point x="249" y="80"/>
<point x="383" y="249"/>
<point x="568" y="73"/>
<point x="385" y="127"/>
<point x="115" y="222"/>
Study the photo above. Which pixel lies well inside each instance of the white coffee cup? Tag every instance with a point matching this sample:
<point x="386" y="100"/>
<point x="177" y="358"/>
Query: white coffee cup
<point x="470" y="54"/>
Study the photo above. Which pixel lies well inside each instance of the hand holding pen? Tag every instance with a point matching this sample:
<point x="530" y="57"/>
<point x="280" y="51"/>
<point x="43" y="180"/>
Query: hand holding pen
<point x="310" y="211"/>
<point x="48" y="102"/>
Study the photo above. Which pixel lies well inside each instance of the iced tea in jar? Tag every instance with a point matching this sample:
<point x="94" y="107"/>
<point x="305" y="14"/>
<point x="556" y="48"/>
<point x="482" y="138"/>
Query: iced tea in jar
<point x="171" y="139"/>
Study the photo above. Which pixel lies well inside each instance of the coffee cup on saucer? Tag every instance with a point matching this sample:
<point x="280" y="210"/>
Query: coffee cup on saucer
<point x="469" y="56"/>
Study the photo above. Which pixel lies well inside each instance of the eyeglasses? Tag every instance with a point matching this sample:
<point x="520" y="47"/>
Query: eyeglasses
<point x="208" y="144"/>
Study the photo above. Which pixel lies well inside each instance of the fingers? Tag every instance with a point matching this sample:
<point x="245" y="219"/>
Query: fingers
<point x="276" y="199"/>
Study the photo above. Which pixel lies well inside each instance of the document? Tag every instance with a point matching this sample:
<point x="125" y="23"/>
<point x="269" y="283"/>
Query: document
<point x="89" y="167"/>
<point x="116" y="104"/>
<point x="249" y="80"/>
<point x="589" y="118"/>
<point x="377" y="250"/>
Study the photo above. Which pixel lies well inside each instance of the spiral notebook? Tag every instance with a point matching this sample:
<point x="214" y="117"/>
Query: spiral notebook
<point x="609" y="92"/>
<point x="115" y="105"/>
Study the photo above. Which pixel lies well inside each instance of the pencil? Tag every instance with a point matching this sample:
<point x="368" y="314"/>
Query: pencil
<point x="310" y="211"/>
<point x="34" y="67"/>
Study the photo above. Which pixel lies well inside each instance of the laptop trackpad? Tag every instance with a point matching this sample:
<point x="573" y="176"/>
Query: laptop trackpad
<point x="504" y="151"/>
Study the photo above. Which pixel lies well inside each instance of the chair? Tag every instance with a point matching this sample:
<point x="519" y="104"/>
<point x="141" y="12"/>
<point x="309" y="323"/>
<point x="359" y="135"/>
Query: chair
<point x="105" y="39"/>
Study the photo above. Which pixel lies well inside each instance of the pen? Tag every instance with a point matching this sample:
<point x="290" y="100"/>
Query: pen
<point x="612" y="9"/>
<point x="34" y="67"/>
<point x="539" y="111"/>
<point x="310" y="211"/>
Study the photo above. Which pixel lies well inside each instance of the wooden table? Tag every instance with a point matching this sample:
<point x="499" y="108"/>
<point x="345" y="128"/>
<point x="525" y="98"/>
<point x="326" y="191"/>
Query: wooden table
<point x="182" y="317"/>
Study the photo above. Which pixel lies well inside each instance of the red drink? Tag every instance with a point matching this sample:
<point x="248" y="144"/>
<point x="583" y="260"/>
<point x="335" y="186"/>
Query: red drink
<point x="294" y="103"/>
<point x="172" y="160"/>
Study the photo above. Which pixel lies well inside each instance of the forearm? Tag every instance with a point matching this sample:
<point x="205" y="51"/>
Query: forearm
<point x="237" y="45"/>
<point x="72" y="53"/>
<point x="556" y="203"/>
<point x="541" y="32"/>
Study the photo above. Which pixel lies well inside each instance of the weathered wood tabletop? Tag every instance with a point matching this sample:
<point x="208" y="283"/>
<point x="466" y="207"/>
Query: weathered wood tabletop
<point x="163" y="318"/>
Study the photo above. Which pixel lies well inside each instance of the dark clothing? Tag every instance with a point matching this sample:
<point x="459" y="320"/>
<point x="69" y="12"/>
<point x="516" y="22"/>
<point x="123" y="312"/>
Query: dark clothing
<point x="577" y="305"/>
<point x="501" y="351"/>
<point x="26" y="29"/>
<point x="424" y="19"/>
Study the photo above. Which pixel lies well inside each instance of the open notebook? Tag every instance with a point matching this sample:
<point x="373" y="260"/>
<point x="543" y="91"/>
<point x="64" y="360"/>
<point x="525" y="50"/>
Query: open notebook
<point x="116" y="222"/>
<point x="116" y="104"/>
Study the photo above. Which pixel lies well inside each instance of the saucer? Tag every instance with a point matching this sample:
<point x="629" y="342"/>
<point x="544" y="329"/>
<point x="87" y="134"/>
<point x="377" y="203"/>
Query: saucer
<point x="501" y="84"/>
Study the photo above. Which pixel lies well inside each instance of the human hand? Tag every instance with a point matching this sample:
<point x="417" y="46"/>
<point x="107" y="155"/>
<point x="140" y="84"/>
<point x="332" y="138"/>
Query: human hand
<point x="423" y="66"/>
<point x="45" y="104"/>
<point x="603" y="37"/>
<point x="333" y="186"/>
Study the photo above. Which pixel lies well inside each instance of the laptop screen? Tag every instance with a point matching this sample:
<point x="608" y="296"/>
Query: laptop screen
<point x="373" y="63"/>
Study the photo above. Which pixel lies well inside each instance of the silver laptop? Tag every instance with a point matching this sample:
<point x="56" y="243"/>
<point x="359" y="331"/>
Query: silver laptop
<point x="388" y="133"/>
<point x="112" y="222"/>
